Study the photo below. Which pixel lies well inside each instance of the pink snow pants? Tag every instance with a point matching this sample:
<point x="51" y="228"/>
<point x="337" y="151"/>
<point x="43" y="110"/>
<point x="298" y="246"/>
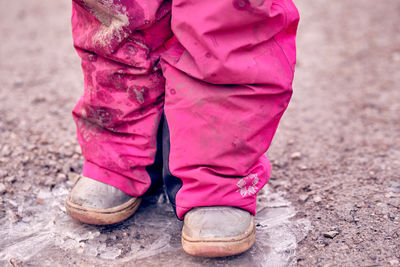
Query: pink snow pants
<point x="206" y="82"/>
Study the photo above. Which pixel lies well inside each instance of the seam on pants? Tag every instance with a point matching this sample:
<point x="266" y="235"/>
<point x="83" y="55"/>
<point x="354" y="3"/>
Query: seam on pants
<point x="285" y="14"/>
<point x="286" y="57"/>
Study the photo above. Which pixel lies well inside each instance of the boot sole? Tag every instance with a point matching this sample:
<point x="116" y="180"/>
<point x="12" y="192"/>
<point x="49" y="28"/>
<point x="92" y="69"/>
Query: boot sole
<point x="102" y="216"/>
<point x="220" y="247"/>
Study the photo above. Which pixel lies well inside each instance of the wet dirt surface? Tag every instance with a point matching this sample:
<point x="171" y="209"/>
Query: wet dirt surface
<point x="334" y="195"/>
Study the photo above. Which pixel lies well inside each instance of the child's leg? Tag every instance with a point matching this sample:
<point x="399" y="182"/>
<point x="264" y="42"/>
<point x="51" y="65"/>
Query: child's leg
<point x="228" y="82"/>
<point x="225" y="94"/>
<point x="119" y="113"/>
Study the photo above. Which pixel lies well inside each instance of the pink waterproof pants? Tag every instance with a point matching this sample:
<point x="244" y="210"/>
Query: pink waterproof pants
<point x="205" y="82"/>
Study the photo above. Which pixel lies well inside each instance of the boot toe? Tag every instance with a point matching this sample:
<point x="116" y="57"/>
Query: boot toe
<point x="93" y="202"/>
<point x="217" y="231"/>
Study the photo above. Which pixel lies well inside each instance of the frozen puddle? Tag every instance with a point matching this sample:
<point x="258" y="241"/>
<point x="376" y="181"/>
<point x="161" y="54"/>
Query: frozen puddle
<point x="44" y="235"/>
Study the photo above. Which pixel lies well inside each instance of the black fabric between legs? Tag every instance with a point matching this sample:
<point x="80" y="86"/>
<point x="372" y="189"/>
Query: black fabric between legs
<point x="172" y="184"/>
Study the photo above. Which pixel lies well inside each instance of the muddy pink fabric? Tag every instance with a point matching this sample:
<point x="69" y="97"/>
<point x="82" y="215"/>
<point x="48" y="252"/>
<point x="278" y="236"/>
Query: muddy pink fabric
<point x="221" y="71"/>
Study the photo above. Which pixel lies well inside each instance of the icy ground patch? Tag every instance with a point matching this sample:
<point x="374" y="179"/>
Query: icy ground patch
<point x="40" y="233"/>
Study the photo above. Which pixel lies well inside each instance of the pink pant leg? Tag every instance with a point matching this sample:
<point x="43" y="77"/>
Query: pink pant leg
<point x="119" y="113"/>
<point x="228" y="81"/>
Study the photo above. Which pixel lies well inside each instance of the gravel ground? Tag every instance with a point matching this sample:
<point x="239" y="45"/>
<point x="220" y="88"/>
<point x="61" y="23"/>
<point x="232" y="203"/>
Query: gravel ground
<point x="335" y="189"/>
